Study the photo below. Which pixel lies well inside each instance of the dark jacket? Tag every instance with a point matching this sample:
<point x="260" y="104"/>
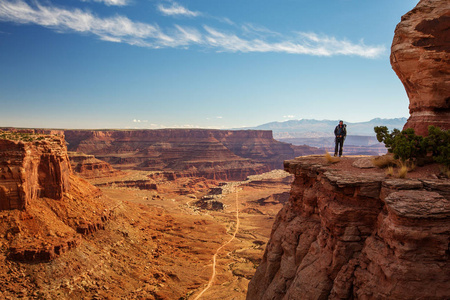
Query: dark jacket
<point x="340" y="131"/>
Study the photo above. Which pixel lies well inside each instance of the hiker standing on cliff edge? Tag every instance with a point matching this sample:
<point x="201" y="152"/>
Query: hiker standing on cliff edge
<point x="340" y="132"/>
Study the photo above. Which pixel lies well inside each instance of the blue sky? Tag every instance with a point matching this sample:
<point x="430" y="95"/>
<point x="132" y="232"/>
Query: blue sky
<point x="196" y="63"/>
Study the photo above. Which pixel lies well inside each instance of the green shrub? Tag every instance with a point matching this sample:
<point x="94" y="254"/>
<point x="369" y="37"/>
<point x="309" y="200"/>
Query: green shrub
<point x="403" y="144"/>
<point x="406" y="145"/>
<point x="19" y="136"/>
<point x="438" y="143"/>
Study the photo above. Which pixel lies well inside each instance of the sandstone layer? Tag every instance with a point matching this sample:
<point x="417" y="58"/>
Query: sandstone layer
<point x="420" y="55"/>
<point x="213" y="154"/>
<point x="44" y="208"/>
<point x="32" y="170"/>
<point x="350" y="233"/>
<point x="88" y="166"/>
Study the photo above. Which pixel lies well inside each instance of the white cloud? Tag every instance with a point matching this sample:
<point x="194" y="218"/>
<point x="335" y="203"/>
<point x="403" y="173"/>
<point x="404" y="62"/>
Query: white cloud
<point x="111" y="2"/>
<point x="257" y="30"/>
<point x="121" y="29"/>
<point x="177" y="10"/>
<point x="306" y="43"/>
<point x="289" y="117"/>
<point x="116" y="29"/>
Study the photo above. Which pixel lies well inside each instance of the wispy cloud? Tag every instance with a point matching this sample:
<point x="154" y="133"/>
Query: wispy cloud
<point x="139" y="121"/>
<point x="304" y="43"/>
<point x="176" y="9"/>
<point x="121" y="29"/>
<point x="111" y="2"/>
<point x="214" y="118"/>
<point x="257" y="30"/>
<point x="117" y="29"/>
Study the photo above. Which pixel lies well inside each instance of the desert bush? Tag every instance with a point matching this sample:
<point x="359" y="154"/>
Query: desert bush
<point x="19" y="136"/>
<point x="438" y="143"/>
<point x="331" y="159"/>
<point x="445" y="170"/>
<point x="390" y="171"/>
<point x="403" y="170"/>
<point x="407" y="146"/>
<point x="384" y="161"/>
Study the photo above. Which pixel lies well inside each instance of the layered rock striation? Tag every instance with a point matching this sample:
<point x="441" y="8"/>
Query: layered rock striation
<point x="420" y="55"/>
<point x="32" y="170"/>
<point x="213" y="154"/>
<point x="88" y="166"/>
<point x="354" y="234"/>
<point x="44" y="208"/>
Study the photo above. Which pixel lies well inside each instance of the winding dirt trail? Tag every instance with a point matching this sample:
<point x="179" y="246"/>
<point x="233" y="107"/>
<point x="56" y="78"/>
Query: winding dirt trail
<point x="213" y="275"/>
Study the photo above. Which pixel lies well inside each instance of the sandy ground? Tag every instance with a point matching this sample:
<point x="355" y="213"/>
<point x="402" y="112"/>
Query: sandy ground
<point x="236" y="261"/>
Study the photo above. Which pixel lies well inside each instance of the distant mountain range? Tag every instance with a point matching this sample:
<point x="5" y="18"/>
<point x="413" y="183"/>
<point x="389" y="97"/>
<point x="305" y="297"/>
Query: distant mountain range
<point x="310" y="128"/>
<point x="361" y="138"/>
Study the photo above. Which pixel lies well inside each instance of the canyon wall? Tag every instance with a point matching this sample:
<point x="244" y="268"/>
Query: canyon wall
<point x="349" y="233"/>
<point x="32" y="170"/>
<point x="213" y="154"/>
<point x="352" y="233"/>
<point x="89" y="167"/>
<point x="44" y="208"/>
<point x="420" y="55"/>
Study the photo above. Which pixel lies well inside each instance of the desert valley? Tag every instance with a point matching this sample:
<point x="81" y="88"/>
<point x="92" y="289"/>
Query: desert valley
<point x="149" y="216"/>
<point x="238" y="214"/>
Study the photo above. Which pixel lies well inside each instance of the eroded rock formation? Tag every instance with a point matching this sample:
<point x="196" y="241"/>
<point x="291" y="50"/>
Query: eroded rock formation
<point x="421" y="58"/>
<point x="43" y="207"/>
<point x="356" y="235"/>
<point x="213" y="154"/>
<point x="31" y="170"/>
<point x="88" y="166"/>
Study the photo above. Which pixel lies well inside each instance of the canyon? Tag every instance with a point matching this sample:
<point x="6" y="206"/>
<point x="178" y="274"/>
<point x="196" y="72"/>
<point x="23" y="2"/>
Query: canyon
<point x="206" y="214"/>
<point x="213" y="154"/>
<point x="124" y="233"/>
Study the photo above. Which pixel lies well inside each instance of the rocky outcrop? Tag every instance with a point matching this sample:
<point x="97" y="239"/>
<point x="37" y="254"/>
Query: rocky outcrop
<point x="29" y="170"/>
<point x="213" y="154"/>
<point x="43" y="207"/>
<point x="87" y="166"/>
<point x="421" y="58"/>
<point x="351" y="233"/>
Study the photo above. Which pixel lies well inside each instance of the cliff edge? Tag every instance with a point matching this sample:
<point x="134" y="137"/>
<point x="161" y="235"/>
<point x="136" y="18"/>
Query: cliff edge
<point x="350" y="233"/>
<point x="44" y="207"/>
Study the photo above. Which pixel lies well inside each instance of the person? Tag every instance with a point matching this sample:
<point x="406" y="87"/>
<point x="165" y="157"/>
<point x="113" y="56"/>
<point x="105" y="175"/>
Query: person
<point x="340" y="132"/>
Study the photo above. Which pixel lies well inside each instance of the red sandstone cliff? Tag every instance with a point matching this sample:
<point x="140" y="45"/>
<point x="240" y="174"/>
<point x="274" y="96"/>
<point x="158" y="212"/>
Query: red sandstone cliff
<point x="213" y="154"/>
<point x="87" y="166"/>
<point x="43" y="207"/>
<point x="356" y="235"/>
<point x="32" y="170"/>
<point x="421" y="58"/>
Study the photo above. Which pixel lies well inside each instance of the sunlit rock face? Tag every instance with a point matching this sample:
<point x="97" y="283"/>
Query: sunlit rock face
<point x="31" y="170"/>
<point x="351" y="233"/>
<point x="44" y="208"/>
<point x="420" y="55"/>
<point x="213" y="154"/>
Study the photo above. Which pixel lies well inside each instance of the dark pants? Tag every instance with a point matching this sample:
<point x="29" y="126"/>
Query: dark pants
<point x="339" y="144"/>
